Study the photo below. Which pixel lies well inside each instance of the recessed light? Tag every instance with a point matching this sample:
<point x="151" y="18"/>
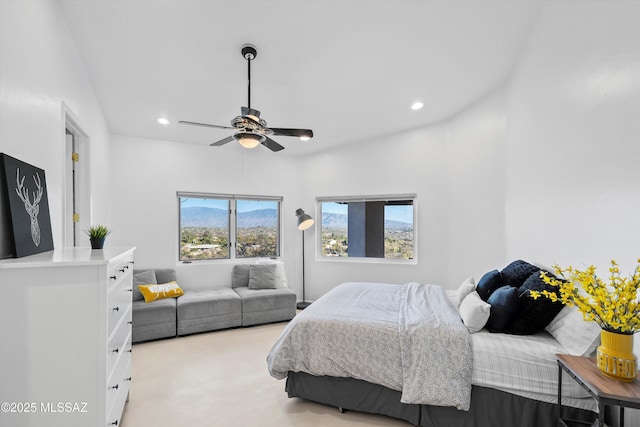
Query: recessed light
<point x="304" y="138"/>
<point x="163" y="121"/>
<point x="417" y="105"/>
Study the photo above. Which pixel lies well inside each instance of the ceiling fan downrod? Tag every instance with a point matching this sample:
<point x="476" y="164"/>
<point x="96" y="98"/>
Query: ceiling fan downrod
<point x="249" y="53"/>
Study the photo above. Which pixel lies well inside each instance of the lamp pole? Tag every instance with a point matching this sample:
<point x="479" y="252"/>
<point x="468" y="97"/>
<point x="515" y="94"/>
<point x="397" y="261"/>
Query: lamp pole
<point x="304" y="221"/>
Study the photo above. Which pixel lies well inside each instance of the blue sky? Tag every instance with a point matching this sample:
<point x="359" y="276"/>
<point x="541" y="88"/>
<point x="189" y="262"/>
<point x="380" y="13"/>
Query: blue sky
<point x="395" y="213"/>
<point x="242" y="205"/>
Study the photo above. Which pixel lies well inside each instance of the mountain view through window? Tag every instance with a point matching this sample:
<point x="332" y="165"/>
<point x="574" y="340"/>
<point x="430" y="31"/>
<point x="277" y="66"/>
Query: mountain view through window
<point x="392" y="229"/>
<point x="216" y="228"/>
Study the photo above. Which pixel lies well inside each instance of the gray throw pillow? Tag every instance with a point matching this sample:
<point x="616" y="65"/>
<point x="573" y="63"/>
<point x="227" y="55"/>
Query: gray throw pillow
<point x="262" y="276"/>
<point x="147" y="277"/>
<point x="240" y="276"/>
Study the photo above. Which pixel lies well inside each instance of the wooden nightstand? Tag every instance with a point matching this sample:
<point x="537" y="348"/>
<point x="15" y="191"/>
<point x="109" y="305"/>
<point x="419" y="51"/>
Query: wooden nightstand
<point x="604" y="390"/>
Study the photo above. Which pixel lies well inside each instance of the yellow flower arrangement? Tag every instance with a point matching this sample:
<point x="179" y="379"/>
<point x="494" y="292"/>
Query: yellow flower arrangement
<point x="614" y="305"/>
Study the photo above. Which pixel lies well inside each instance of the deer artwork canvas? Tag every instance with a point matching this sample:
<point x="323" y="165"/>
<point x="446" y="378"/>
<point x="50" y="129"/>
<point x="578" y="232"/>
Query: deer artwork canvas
<point x="25" y="194"/>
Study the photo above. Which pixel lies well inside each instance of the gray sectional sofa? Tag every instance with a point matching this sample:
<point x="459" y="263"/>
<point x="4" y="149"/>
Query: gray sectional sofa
<point x="258" y="294"/>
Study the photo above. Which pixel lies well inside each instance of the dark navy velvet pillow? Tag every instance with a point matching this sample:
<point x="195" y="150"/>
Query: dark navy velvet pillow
<point x="533" y="315"/>
<point x="491" y="281"/>
<point x="517" y="272"/>
<point x="504" y="304"/>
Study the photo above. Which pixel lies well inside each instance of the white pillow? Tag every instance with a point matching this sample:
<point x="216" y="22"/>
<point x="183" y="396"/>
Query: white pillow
<point x="577" y="336"/>
<point x="468" y="286"/>
<point x="474" y="312"/>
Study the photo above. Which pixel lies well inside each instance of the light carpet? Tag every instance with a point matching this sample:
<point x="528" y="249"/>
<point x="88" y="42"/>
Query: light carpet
<point x="220" y="379"/>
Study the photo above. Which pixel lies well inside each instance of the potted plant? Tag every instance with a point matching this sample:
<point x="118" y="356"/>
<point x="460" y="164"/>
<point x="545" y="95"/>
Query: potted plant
<point x="97" y="234"/>
<point x="614" y="306"/>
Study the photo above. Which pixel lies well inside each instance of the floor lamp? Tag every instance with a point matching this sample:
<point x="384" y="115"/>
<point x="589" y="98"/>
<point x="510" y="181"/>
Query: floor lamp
<point x="304" y="221"/>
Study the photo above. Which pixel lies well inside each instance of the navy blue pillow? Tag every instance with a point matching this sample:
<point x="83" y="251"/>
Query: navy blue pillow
<point x="533" y="315"/>
<point x="517" y="272"/>
<point x="491" y="281"/>
<point x="504" y="304"/>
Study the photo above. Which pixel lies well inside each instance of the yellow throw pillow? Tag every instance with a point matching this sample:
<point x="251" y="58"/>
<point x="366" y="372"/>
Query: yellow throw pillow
<point x="165" y="290"/>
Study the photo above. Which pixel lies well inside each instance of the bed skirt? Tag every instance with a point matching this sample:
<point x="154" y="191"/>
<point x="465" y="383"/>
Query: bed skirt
<point x="489" y="407"/>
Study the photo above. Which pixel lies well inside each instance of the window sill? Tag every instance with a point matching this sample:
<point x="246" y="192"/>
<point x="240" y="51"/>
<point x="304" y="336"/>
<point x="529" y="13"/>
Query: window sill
<point x="362" y="260"/>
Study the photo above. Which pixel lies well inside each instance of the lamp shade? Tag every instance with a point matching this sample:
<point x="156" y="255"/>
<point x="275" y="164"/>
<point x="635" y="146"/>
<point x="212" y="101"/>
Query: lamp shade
<point x="249" y="140"/>
<point x="304" y="220"/>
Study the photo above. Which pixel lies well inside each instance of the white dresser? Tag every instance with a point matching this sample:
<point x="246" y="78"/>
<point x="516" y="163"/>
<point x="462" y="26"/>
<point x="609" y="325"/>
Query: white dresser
<point x="65" y="337"/>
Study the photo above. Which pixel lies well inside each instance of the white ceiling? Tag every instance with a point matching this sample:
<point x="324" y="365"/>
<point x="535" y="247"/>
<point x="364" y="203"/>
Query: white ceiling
<point x="347" y="69"/>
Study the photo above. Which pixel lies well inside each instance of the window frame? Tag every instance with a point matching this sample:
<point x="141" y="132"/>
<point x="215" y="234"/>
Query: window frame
<point x="232" y="231"/>
<point x="371" y="198"/>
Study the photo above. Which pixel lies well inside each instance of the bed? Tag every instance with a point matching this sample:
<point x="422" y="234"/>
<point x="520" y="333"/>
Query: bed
<point x="402" y="351"/>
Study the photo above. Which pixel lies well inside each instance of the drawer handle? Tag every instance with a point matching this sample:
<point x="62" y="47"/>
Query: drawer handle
<point x="116" y="308"/>
<point x="130" y="322"/>
<point x="128" y="379"/>
<point x="126" y="267"/>
<point x="115" y="423"/>
<point x="121" y="270"/>
<point x="113" y="277"/>
<point x="115" y="351"/>
<point x="130" y="290"/>
<point x="132" y="262"/>
<point x="130" y="351"/>
<point x="115" y="387"/>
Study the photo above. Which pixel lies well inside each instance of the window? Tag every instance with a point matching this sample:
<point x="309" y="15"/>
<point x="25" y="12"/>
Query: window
<point x="215" y="226"/>
<point x="380" y="227"/>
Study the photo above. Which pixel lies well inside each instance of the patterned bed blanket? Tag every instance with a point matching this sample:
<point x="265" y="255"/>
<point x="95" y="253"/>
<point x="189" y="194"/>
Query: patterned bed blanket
<point x="405" y="337"/>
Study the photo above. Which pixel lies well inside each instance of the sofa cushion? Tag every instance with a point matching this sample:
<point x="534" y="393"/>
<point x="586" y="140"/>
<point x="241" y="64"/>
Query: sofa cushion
<point x="240" y="276"/>
<point x="208" y="310"/>
<point x="146" y="277"/>
<point x="154" y="320"/>
<point x="281" y="276"/>
<point x="262" y="276"/>
<point x="266" y="305"/>
<point x="166" y="275"/>
<point x="157" y="312"/>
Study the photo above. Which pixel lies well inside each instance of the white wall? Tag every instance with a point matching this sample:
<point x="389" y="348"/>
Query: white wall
<point x="456" y="168"/>
<point x="39" y="70"/>
<point x="573" y="157"/>
<point x="145" y="212"/>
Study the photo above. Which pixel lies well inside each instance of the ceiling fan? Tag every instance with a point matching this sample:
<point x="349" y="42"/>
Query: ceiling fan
<point x="251" y="130"/>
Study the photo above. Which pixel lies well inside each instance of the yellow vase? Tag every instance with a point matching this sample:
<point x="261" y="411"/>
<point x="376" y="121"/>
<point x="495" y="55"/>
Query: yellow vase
<point x="615" y="356"/>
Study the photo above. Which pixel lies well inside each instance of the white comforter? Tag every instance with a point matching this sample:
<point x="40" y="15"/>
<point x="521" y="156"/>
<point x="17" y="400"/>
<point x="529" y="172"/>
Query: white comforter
<point x="405" y="337"/>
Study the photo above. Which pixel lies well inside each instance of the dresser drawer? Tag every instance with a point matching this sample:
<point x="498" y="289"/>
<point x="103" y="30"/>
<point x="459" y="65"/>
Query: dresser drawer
<point x="118" y="271"/>
<point x="120" y="342"/>
<point x="119" y="383"/>
<point x="119" y="301"/>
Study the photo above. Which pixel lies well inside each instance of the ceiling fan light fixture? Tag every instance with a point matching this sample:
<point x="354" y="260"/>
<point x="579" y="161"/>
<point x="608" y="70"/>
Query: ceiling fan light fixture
<point x="249" y="140"/>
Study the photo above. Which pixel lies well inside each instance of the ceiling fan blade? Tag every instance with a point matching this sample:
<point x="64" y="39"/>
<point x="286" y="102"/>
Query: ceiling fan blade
<point x="293" y="132"/>
<point x="222" y="141"/>
<point x="271" y="144"/>
<point x="184" y="122"/>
